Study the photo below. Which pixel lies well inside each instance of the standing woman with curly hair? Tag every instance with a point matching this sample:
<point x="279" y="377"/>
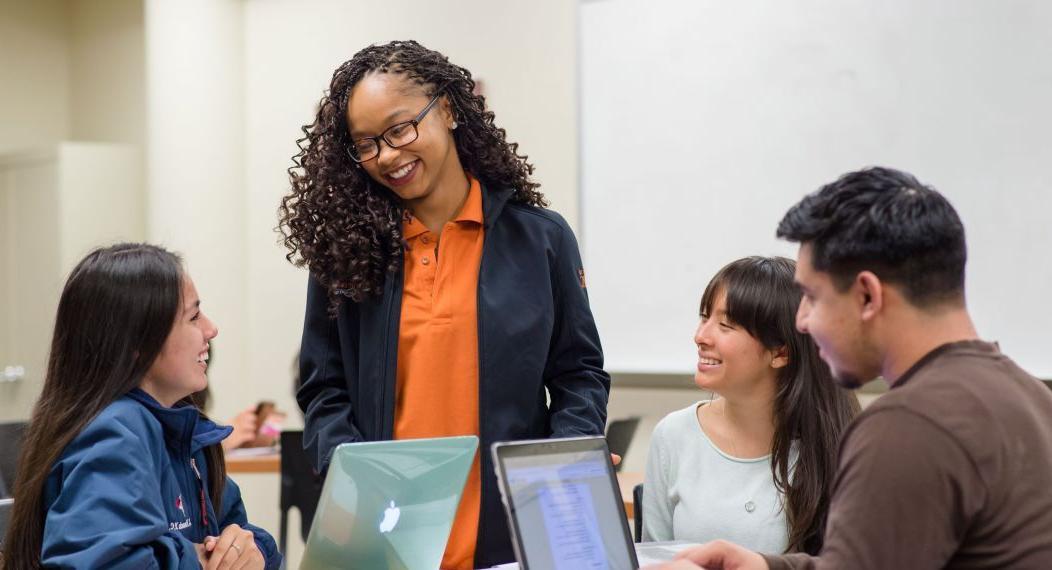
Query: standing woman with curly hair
<point x="444" y="299"/>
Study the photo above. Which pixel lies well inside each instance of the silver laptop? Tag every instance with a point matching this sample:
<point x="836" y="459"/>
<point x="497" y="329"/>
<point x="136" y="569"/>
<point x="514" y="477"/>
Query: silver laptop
<point x="563" y="504"/>
<point x="389" y="504"/>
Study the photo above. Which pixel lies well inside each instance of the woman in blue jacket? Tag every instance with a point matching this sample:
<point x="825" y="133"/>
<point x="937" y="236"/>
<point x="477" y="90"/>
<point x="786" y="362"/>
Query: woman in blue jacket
<point x="119" y="469"/>
<point x="387" y="182"/>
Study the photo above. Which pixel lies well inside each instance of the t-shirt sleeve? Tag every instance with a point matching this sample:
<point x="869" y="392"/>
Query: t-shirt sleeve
<point x="904" y="496"/>
<point x="657" y="508"/>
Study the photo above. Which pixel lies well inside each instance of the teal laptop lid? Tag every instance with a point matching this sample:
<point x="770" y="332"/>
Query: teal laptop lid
<point x="389" y="504"/>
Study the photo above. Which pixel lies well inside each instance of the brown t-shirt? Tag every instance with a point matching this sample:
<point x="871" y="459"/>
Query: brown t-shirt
<point x="952" y="468"/>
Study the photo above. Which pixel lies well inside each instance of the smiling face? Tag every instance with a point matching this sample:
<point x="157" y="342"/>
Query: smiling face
<point x="180" y="368"/>
<point x="415" y="171"/>
<point x="834" y="320"/>
<point x="730" y="360"/>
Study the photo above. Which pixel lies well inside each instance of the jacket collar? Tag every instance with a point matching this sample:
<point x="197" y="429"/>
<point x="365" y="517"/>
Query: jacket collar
<point x="182" y="423"/>
<point x="493" y="202"/>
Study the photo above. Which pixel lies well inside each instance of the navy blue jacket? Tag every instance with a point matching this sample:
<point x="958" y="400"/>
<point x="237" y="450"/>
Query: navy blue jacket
<point x="535" y="330"/>
<point x="124" y="492"/>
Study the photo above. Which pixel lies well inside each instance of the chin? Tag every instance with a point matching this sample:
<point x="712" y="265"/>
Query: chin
<point x="850" y="379"/>
<point x="704" y="383"/>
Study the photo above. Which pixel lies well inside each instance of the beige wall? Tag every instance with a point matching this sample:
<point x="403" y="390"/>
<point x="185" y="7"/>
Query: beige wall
<point x="34" y="73"/>
<point x="70" y="70"/>
<point x="107" y="71"/>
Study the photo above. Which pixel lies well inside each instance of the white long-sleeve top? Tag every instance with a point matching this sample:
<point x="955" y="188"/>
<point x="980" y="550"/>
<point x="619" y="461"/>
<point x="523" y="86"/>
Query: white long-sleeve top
<point x="694" y="491"/>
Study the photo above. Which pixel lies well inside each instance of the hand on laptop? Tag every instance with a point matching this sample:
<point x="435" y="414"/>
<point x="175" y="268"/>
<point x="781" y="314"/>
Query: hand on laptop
<point x="716" y="555"/>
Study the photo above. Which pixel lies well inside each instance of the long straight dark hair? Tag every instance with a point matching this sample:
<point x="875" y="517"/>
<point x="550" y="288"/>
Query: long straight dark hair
<point x="115" y="314"/>
<point x="809" y="408"/>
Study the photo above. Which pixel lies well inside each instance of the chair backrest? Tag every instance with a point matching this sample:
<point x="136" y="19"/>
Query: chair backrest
<point x="300" y="483"/>
<point x="5" y="517"/>
<point x="11" y="436"/>
<point x="637" y="512"/>
<point x="619" y="434"/>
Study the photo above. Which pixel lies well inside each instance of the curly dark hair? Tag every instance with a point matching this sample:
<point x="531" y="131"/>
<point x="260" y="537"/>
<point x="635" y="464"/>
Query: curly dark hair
<point x="345" y="227"/>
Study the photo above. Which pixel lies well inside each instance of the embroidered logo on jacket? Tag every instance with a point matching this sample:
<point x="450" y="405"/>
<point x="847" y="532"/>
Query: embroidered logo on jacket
<point x="179" y="505"/>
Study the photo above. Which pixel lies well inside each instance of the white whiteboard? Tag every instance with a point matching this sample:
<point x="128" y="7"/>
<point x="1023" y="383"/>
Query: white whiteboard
<point x="703" y="121"/>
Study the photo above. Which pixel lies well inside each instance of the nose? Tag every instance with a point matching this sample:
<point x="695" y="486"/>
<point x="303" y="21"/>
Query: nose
<point x="701" y="334"/>
<point x="386" y="155"/>
<point x="802" y="313"/>
<point x="211" y="330"/>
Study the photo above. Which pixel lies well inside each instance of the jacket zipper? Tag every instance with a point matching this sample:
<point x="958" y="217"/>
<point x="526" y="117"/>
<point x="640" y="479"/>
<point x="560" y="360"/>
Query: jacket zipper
<point x="201" y="485"/>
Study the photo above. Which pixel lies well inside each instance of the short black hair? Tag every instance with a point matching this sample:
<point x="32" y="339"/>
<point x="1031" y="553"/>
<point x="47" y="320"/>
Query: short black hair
<point x="885" y="221"/>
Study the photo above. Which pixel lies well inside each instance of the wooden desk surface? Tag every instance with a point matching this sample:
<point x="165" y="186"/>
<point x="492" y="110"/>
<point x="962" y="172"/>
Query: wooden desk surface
<point x="271" y="463"/>
<point x="628" y="480"/>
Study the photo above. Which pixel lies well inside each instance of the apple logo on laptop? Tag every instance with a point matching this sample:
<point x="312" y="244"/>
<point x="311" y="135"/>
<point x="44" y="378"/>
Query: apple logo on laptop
<point x="391" y="515"/>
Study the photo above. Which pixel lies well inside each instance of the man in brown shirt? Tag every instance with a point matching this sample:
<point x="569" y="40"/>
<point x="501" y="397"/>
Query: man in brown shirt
<point x="952" y="468"/>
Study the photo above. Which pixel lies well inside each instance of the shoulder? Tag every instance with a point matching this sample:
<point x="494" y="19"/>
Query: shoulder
<point x="124" y="424"/>
<point x="676" y="425"/>
<point x="540" y="218"/>
<point x="888" y="432"/>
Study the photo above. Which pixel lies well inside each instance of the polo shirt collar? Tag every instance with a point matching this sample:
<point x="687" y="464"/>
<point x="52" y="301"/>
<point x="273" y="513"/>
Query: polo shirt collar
<point x="471" y="211"/>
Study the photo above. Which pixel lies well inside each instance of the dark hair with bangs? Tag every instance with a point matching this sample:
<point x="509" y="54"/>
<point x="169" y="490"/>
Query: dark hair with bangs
<point x="809" y="408"/>
<point x="115" y="314"/>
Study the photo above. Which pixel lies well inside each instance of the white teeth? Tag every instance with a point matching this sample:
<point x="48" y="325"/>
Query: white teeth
<point x="711" y="361"/>
<point x="203" y="358"/>
<point x="401" y="172"/>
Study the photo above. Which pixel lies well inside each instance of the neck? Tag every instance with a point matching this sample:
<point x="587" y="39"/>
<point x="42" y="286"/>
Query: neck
<point x="919" y="333"/>
<point x="442" y="205"/>
<point x="166" y="400"/>
<point x="751" y="414"/>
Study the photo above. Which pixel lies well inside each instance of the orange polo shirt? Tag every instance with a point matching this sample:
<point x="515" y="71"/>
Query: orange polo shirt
<point x="437" y="391"/>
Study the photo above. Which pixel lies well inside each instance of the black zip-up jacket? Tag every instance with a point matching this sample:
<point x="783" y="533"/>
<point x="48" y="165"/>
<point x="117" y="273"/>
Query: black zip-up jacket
<point x="535" y="329"/>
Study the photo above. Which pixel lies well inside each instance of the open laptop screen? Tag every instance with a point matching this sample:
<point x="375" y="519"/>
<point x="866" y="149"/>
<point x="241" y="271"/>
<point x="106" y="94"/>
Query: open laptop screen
<point x="566" y="510"/>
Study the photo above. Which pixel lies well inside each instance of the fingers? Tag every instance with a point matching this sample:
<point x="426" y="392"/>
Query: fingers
<point x="674" y="565"/>
<point x="724" y="555"/>
<point x="233" y="544"/>
<point x="252" y="559"/>
<point x="615" y="458"/>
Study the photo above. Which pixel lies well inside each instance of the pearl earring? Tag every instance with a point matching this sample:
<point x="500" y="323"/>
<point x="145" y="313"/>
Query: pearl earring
<point x="454" y="126"/>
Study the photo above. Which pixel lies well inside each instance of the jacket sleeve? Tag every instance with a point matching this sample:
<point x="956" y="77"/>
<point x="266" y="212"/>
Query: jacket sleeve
<point x="233" y="512"/>
<point x="574" y="375"/>
<point x="107" y="511"/>
<point x="323" y="396"/>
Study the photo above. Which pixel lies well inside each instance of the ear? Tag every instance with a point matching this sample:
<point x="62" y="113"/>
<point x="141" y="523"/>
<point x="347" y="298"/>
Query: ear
<point x="870" y="294"/>
<point x="781" y="357"/>
<point x="448" y="117"/>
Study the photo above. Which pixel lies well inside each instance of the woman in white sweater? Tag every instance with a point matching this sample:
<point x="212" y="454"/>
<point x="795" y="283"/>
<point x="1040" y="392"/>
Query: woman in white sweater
<point x="755" y="465"/>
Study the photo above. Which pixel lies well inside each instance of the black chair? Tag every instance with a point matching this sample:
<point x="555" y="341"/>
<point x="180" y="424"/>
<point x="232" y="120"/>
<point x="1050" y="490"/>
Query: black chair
<point x="637" y="512"/>
<point x="300" y="485"/>
<point x="619" y="435"/>
<point x="11" y="436"/>
<point x="5" y="517"/>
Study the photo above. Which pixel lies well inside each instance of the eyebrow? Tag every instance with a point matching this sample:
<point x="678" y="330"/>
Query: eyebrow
<point x="192" y="306"/>
<point x="387" y="120"/>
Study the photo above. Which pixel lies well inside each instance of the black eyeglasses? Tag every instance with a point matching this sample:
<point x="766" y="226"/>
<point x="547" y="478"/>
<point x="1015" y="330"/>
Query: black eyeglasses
<point x="401" y="134"/>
